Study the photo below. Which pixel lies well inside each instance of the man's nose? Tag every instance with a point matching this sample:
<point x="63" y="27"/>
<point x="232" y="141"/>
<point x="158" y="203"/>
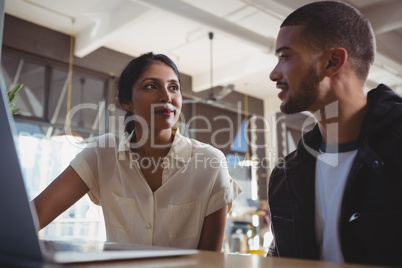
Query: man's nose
<point x="275" y="74"/>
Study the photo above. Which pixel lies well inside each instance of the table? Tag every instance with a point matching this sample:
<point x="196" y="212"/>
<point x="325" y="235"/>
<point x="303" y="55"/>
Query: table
<point x="206" y="259"/>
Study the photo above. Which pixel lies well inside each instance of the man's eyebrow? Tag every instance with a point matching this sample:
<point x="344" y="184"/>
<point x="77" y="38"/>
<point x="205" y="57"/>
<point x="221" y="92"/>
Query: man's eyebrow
<point x="278" y="50"/>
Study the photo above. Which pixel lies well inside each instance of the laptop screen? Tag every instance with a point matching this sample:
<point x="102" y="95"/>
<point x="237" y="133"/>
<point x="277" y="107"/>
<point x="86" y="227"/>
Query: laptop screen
<point x="18" y="233"/>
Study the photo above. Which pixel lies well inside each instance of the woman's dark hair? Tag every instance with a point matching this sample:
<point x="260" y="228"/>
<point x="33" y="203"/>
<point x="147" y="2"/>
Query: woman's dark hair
<point x="330" y="24"/>
<point x="130" y="75"/>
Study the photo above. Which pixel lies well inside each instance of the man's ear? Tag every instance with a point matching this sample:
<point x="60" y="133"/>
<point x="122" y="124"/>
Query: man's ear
<point x="336" y="60"/>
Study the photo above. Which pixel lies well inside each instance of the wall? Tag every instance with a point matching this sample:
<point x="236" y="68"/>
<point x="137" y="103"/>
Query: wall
<point x="36" y="42"/>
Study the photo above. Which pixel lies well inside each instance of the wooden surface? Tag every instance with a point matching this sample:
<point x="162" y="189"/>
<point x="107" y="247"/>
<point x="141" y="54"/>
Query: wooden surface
<point x="205" y="259"/>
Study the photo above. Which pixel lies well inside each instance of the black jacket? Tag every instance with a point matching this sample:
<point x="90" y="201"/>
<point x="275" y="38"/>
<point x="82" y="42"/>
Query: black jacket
<point x="371" y="211"/>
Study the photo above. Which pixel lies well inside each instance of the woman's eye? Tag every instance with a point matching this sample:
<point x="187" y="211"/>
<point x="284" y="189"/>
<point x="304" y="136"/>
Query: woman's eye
<point x="175" y="88"/>
<point x="150" y="86"/>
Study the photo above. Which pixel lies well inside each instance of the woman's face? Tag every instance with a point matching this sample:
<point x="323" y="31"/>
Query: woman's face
<point x="156" y="97"/>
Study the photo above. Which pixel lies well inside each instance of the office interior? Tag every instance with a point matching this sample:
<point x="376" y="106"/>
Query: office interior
<point x="224" y="51"/>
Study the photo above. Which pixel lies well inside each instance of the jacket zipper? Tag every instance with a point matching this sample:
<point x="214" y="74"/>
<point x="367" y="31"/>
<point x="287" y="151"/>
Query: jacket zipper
<point x="283" y="219"/>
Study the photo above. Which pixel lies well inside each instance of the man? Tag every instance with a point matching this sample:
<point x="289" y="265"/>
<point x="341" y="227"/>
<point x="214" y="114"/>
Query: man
<point x="338" y="197"/>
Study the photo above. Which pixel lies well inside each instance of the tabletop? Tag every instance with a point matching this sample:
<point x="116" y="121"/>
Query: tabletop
<point x="207" y="259"/>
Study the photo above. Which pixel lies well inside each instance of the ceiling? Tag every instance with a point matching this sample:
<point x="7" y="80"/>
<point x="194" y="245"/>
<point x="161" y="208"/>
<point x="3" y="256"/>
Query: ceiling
<point x="244" y="32"/>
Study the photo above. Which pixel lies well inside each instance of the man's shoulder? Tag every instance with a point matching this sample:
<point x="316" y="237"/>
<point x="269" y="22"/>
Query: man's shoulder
<point x="383" y="93"/>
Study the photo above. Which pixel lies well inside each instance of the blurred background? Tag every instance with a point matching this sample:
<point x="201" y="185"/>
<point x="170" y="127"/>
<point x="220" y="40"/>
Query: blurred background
<point x="224" y="51"/>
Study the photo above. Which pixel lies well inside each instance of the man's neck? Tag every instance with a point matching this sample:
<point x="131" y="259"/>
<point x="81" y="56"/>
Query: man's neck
<point x="344" y="124"/>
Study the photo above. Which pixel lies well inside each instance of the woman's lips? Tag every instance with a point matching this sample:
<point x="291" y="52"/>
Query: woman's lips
<point x="164" y="111"/>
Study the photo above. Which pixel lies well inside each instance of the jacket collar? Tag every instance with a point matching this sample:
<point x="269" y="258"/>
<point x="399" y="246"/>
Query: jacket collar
<point x="308" y="146"/>
<point x="382" y="102"/>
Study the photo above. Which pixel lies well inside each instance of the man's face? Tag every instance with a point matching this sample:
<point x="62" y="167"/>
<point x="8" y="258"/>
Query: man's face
<point x="296" y="71"/>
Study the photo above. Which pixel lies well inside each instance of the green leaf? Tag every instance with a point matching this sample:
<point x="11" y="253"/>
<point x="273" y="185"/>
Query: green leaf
<point x="14" y="90"/>
<point x="13" y="101"/>
<point x="12" y="97"/>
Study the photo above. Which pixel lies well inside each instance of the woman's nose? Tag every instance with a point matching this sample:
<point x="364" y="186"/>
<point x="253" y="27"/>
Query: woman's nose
<point x="165" y="96"/>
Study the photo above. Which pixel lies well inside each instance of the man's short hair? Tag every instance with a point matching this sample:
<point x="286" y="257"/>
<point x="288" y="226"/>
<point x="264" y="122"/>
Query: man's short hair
<point x="330" y="24"/>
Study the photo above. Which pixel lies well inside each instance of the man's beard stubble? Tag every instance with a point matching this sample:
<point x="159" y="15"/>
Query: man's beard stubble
<point x="306" y="94"/>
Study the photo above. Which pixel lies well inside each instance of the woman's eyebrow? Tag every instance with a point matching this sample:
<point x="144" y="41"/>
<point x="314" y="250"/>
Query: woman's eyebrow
<point x="157" y="79"/>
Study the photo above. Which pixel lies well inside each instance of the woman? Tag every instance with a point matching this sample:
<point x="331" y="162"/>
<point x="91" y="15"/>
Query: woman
<point x="155" y="186"/>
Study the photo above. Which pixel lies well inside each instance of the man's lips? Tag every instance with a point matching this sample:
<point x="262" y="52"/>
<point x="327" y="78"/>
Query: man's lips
<point x="284" y="88"/>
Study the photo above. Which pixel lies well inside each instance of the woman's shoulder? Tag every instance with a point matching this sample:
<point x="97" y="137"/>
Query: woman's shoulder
<point x="205" y="148"/>
<point x="107" y="141"/>
<point x="103" y="138"/>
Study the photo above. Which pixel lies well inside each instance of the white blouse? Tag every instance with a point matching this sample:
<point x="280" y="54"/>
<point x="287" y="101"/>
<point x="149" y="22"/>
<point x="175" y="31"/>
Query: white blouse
<point x="195" y="183"/>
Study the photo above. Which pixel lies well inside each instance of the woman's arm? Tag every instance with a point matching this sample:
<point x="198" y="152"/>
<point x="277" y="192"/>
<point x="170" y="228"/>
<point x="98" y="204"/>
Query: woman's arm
<point x="213" y="231"/>
<point x="62" y="193"/>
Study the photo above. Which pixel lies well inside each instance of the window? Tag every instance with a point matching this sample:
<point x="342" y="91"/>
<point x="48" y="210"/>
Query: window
<point x="42" y="160"/>
<point x="43" y="153"/>
<point x="32" y="99"/>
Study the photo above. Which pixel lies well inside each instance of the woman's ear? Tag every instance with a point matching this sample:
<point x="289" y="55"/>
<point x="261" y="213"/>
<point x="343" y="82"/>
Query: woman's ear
<point x="336" y="60"/>
<point x="126" y="106"/>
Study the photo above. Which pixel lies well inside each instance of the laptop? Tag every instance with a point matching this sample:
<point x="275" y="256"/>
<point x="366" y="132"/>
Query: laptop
<point x="18" y="224"/>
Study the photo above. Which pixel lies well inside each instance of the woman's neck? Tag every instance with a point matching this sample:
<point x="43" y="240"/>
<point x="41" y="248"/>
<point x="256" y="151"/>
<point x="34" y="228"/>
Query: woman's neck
<point x="154" y="143"/>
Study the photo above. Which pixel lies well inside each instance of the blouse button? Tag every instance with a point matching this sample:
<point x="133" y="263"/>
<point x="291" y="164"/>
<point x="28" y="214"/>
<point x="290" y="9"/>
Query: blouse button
<point x="148" y="226"/>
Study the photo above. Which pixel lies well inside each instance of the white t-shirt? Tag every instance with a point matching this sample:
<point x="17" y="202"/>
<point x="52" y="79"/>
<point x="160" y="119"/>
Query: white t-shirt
<point x="195" y="183"/>
<point x="332" y="170"/>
